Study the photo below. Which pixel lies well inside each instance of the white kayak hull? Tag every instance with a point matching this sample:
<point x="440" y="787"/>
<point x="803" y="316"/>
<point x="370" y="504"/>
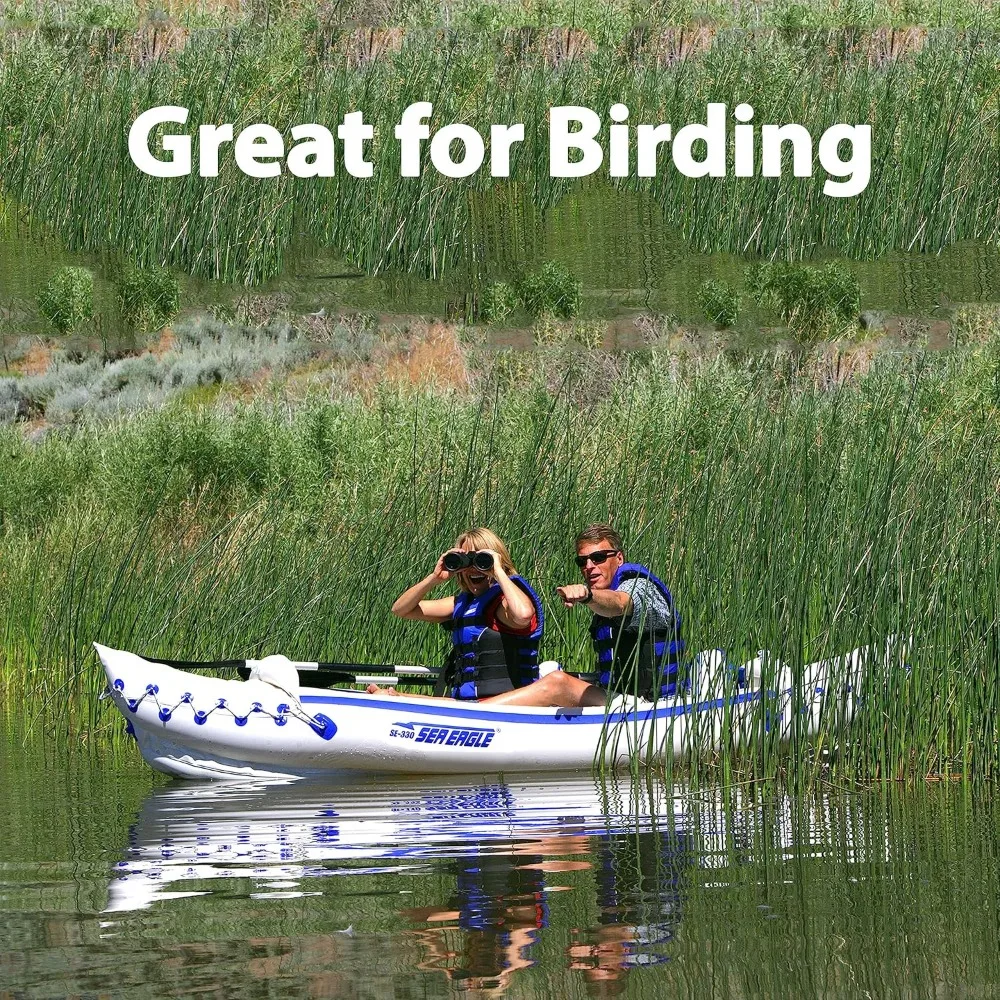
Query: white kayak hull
<point x="205" y="727"/>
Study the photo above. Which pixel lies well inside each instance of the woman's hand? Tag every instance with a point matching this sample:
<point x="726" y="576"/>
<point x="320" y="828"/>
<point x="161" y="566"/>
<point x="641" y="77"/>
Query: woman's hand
<point x="411" y="603"/>
<point x="440" y="573"/>
<point x="498" y="569"/>
<point x="516" y="609"/>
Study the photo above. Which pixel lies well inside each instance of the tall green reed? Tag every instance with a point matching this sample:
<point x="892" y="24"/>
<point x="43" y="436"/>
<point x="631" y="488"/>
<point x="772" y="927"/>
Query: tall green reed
<point x="801" y="519"/>
<point x="67" y="112"/>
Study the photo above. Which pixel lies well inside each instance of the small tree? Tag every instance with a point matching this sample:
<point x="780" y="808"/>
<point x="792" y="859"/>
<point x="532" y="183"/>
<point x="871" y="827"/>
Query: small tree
<point x="148" y="297"/>
<point x="68" y="298"/>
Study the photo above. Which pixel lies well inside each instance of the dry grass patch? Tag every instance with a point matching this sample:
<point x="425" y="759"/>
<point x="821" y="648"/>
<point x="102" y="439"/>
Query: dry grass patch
<point x="36" y="361"/>
<point x="434" y="360"/>
<point x="978" y="323"/>
<point x="164" y="343"/>
<point x="835" y="364"/>
<point x="669" y="46"/>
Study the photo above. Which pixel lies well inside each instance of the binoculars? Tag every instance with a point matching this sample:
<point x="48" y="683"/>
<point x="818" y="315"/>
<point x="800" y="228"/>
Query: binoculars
<point x="454" y="561"/>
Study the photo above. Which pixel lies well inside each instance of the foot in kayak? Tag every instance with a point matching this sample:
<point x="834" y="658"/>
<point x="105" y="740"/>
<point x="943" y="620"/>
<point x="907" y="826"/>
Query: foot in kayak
<point x="375" y="689"/>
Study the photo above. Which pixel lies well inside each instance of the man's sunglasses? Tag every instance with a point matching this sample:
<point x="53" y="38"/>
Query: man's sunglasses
<point x="597" y="558"/>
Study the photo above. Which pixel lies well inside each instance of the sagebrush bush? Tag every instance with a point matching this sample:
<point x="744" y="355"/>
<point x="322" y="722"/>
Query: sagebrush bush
<point x="350" y="337"/>
<point x="68" y="298"/>
<point x="66" y="406"/>
<point x="14" y="405"/>
<point x="207" y="352"/>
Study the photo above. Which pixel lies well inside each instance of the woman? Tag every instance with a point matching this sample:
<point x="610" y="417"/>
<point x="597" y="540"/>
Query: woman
<point x="495" y="620"/>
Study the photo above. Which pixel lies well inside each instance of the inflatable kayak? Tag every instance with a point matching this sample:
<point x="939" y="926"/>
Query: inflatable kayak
<point x="270" y="727"/>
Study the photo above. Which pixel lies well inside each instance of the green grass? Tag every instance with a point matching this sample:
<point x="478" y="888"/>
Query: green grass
<point x="67" y="104"/>
<point x="494" y="15"/>
<point x="787" y="514"/>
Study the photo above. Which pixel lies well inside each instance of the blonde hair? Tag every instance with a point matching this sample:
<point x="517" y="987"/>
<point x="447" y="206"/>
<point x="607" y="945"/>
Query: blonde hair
<point x="475" y="539"/>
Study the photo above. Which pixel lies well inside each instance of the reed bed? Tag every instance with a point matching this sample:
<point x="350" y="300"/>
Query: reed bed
<point x="586" y="15"/>
<point x="68" y="101"/>
<point x="788" y="516"/>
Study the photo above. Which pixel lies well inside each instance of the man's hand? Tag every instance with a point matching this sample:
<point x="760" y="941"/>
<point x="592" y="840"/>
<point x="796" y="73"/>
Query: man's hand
<point x="573" y="593"/>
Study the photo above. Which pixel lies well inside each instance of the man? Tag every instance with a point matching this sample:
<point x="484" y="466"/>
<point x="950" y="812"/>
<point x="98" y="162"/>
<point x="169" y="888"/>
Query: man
<point x="635" y="630"/>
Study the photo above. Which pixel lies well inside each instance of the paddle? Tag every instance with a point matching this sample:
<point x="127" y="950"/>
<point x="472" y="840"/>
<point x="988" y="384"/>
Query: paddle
<point x="311" y="672"/>
<point x="324" y="675"/>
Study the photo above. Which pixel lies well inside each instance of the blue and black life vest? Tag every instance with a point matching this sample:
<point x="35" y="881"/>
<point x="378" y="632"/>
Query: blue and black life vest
<point x="484" y="661"/>
<point x="657" y="658"/>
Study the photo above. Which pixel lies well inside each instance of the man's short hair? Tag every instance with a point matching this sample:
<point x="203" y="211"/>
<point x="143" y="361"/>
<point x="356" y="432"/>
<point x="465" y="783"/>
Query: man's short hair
<point x="600" y="533"/>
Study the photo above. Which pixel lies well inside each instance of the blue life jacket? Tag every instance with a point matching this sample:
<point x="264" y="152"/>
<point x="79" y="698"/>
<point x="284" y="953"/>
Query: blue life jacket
<point x="484" y="661"/>
<point x="657" y="659"/>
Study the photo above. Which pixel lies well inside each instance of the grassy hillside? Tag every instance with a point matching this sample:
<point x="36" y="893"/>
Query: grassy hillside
<point x="802" y="514"/>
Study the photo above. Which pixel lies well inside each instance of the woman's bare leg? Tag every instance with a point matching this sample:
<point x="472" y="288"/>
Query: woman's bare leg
<point x="555" y="690"/>
<point x="375" y="689"/>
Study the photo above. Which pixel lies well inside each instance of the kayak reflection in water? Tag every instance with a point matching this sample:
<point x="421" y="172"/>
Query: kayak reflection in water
<point x="639" y="894"/>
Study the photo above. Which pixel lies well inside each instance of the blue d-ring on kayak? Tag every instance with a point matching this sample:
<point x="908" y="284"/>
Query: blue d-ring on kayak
<point x="324" y="726"/>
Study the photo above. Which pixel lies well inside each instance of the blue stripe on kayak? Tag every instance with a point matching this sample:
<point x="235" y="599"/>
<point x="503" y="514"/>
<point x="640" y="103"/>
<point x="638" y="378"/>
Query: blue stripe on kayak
<point x="559" y="715"/>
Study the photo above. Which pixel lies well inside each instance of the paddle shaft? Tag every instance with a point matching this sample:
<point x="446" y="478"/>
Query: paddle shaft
<point x="311" y="672"/>
<point x="388" y="668"/>
<point x="317" y="674"/>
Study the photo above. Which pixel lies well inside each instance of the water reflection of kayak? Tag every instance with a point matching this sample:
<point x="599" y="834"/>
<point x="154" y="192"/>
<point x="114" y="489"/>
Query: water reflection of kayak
<point x="286" y="835"/>
<point x="207" y="727"/>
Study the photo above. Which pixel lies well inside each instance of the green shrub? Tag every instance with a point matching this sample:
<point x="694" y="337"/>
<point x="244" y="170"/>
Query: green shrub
<point x="497" y="302"/>
<point x="148" y="297"/>
<point x="68" y="298"/>
<point x="552" y="290"/>
<point x="793" y="16"/>
<point x="720" y="303"/>
<point x="809" y="298"/>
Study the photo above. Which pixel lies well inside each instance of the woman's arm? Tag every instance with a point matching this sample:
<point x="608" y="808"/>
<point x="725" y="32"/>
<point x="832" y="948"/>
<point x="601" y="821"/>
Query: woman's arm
<point x="516" y="609"/>
<point x="412" y="606"/>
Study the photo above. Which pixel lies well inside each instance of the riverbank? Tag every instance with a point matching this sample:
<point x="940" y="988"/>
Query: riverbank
<point x="791" y="508"/>
<point x="264" y="349"/>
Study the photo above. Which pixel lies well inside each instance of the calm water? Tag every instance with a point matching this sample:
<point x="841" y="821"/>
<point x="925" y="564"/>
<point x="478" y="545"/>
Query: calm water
<point x="115" y="883"/>
<point x="617" y="243"/>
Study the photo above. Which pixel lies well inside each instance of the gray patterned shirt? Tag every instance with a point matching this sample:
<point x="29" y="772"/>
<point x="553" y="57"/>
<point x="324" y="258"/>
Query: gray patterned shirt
<point x="649" y="610"/>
